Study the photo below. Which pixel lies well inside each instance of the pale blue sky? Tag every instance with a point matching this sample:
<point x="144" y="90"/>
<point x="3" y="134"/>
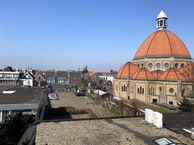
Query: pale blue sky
<point x="68" y="34"/>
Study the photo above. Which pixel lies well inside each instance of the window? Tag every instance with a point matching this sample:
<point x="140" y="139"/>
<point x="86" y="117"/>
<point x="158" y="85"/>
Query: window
<point x="165" y="23"/>
<point x="171" y="90"/>
<point x="124" y="88"/>
<point x="150" y="65"/>
<point x="151" y="90"/>
<point x="161" y="23"/>
<point x="182" y="65"/>
<point x="158" y="65"/>
<point x="166" y="65"/>
<point x="176" y="65"/>
<point x="154" y="100"/>
<point x="160" y="89"/>
<point x="140" y="90"/>
<point x="170" y="102"/>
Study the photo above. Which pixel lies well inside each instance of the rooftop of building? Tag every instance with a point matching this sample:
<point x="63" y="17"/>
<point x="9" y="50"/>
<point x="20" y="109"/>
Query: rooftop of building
<point x="132" y="71"/>
<point x="20" y="95"/>
<point x="105" y="131"/>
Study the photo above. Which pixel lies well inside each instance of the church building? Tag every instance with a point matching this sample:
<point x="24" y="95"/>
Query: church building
<point x="161" y="71"/>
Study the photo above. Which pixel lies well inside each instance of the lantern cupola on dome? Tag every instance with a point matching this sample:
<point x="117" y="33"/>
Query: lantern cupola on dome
<point x="161" y="21"/>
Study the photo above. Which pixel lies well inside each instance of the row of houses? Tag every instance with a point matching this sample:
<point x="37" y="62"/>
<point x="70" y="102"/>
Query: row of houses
<point x="11" y="77"/>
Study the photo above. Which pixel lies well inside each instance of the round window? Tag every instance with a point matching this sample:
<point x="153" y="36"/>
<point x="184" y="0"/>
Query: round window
<point x="176" y="65"/>
<point x="158" y="65"/>
<point x="171" y="90"/>
<point x="166" y="65"/>
<point x="150" y="65"/>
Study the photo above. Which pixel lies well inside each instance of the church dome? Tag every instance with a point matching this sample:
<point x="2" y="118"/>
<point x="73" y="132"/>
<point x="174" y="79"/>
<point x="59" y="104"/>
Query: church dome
<point x="162" y="44"/>
<point x="127" y="70"/>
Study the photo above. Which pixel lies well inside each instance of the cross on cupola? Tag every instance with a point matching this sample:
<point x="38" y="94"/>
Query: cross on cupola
<point x="161" y="21"/>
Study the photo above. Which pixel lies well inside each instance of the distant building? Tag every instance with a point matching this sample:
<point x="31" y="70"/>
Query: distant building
<point x="32" y="78"/>
<point x="27" y="79"/>
<point x="161" y="71"/>
<point x="106" y="77"/>
<point x="40" y="79"/>
<point x="61" y="80"/>
<point x="9" y="77"/>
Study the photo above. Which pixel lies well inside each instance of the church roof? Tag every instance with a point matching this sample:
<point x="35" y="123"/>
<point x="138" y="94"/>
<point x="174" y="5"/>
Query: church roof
<point x="173" y="75"/>
<point x="143" y="74"/>
<point x="127" y="70"/>
<point x="188" y="71"/>
<point x="162" y="44"/>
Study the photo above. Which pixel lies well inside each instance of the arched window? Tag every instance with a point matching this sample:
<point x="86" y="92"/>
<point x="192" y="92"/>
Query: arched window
<point x="150" y="65"/>
<point x="166" y="65"/>
<point x="160" y="89"/>
<point x="124" y="88"/>
<point x="176" y="65"/>
<point x="182" y="65"/>
<point x="138" y="91"/>
<point x="142" y="90"/>
<point x="157" y="65"/>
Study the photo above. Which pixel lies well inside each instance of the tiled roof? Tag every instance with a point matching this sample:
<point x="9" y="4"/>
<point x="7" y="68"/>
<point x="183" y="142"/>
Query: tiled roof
<point x="162" y="44"/>
<point x="188" y="71"/>
<point x="157" y="73"/>
<point x="143" y="74"/>
<point x="127" y="70"/>
<point x="91" y="74"/>
<point x="172" y="75"/>
<point x="131" y="71"/>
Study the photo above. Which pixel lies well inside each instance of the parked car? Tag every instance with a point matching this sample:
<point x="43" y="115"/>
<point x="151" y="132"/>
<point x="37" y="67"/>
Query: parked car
<point x="80" y="93"/>
<point x="53" y="96"/>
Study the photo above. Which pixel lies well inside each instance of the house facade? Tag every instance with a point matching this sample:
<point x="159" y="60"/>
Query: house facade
<point x="9" y="77"/>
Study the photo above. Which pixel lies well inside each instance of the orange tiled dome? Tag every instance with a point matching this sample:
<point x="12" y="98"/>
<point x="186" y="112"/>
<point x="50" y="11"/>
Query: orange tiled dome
<point x="143" y="74"/>
<point x="173" y="75"/>
<point x="127" y="70"/>
<point x="162" y="44"/>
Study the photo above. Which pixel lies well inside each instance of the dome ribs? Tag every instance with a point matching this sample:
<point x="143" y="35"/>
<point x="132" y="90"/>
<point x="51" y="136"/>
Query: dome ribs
<point x="123" y="70"/>
<point x="169" y="43"/>
<point x="150" y="43"/>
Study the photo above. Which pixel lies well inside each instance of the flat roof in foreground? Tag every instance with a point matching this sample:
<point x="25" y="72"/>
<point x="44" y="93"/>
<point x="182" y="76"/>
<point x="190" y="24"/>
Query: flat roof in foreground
<point x="130" y="131"/>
